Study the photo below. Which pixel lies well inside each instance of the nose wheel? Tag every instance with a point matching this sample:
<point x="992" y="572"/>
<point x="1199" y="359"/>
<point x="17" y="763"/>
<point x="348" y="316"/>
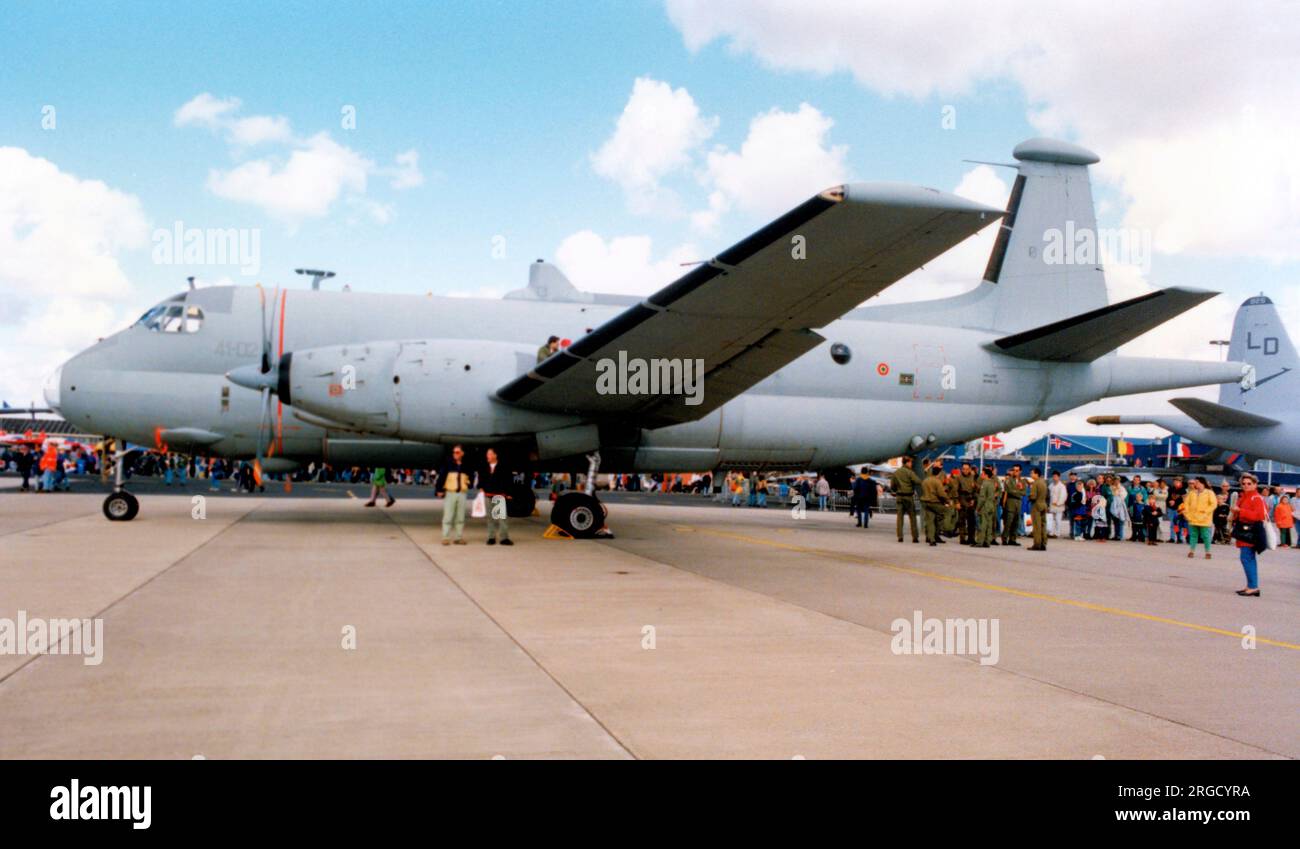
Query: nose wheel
<point x="121" y="507"/>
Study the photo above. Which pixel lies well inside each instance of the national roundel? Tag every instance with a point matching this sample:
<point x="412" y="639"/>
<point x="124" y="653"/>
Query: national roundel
<point x="883" y="369"/>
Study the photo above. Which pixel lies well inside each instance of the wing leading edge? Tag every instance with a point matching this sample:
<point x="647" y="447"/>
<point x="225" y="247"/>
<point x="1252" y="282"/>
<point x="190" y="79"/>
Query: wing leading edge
<point x="750" y="310"/>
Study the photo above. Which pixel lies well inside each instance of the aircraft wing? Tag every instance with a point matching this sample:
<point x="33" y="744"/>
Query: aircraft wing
<point x="1209" y="414"/>
<point x="1088" y="336"/>
<point x="750" y="310"/>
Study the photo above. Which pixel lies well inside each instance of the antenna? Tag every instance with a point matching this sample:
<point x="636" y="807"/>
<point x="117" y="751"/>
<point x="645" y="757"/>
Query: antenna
<point x="190" y="280"/>
<point x="316" y="276"/>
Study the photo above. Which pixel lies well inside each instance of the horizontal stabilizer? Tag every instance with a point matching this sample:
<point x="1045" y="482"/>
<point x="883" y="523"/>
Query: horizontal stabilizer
<point x="1209" y="414"/>
<point x="1090" y="335"/>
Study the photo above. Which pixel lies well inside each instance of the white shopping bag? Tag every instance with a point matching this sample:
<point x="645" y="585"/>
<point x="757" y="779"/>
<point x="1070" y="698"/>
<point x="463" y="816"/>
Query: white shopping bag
<point x="479" y="510"/>
<point x="1271" y="535"/>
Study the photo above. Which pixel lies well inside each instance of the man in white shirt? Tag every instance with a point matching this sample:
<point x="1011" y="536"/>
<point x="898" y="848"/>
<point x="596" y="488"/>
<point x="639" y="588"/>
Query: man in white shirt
<point x="1057" y="495"/>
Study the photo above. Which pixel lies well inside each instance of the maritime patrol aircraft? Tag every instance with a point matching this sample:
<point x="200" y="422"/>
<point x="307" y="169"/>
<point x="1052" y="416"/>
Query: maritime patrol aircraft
<point x="1255" y="417"/>
<point x="766" y="359"/>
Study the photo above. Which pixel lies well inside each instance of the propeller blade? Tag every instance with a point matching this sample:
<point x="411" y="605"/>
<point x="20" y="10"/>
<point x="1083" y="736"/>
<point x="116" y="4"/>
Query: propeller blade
<point x="266" y="336"/>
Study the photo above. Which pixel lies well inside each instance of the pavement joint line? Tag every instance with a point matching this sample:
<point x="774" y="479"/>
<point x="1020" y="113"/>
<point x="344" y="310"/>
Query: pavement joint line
<point x="512" y="638"/>
<point x="984" y="585"/>
<point x="997" y="669"/>
<point x="146" y="582"/>
<point x="48" y="524"/>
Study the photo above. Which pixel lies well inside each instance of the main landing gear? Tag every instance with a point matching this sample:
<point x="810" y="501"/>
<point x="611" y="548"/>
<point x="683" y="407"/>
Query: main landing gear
<point x="580" y="514"/>
<point x="120" y="506"/>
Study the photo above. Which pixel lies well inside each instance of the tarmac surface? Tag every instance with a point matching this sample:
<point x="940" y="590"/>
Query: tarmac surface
<point x="732" y="633"/>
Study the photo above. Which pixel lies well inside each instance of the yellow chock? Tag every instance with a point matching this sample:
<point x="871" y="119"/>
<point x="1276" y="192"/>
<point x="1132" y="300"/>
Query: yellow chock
<point x="556" y="532"/>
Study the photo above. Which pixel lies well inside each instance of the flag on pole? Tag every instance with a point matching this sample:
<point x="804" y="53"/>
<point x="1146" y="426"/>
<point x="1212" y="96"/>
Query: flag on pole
<point x="992" y="443"/>
<point x="1123" y="447"/>
<point x="1184" y="450"/>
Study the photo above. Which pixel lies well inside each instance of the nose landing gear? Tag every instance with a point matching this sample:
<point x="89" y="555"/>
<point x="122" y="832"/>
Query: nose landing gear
<point x="120" y="506"/>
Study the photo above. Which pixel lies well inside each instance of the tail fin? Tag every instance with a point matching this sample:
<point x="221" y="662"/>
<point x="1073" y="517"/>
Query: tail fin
<point x="1045" y="263"/>
<point x="1260" y="339"/>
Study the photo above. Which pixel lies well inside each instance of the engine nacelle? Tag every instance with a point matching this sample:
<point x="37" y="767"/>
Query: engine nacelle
<point x="432" y="390"/>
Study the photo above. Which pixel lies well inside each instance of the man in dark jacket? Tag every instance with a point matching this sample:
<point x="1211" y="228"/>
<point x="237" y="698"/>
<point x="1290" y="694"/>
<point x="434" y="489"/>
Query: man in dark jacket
<point x="494" y="481"/>
<point x="864" y="497"/>
<point x="24" y="461"/>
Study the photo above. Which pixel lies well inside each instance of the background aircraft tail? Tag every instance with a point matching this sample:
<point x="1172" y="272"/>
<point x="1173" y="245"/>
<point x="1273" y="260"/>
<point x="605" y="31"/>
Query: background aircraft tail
<point x="1260" y="339"/>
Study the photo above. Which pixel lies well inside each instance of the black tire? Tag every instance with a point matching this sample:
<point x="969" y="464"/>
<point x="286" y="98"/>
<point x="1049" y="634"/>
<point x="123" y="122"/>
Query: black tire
<point x="521" y="502"/>
<point x="121" y="507"/>
<point x="578" y="514"/>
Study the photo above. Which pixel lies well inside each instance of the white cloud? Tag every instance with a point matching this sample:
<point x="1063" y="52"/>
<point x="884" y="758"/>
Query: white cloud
<point x="204" y="110"/>
<point x="1195" y="129"/>
<point x="259" y="129"/>
<point x="622" y="264"/>
<point x="405" y="174"/>
<point x="784" y="160"/>
<point x="61" y="283"/>
<point x="306" y="183"/>
<point x="59" y="233"/>
<point x="305" y="186"/>
<point x="655" y="135"/>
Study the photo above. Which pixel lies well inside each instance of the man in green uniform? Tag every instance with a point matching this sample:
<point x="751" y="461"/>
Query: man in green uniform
<point x="934" y="500"/>
<point x="986" y="502"/>
<point x="904" y="485"/>
<point x="1038" y="509"/>
<point x="552" y="345"/>
<point x="1013" y="490"/>
<point x="967" y="488"/>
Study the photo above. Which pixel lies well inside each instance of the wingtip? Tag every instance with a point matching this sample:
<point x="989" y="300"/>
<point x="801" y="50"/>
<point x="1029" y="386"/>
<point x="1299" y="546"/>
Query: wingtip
<point x="907" y="194"/>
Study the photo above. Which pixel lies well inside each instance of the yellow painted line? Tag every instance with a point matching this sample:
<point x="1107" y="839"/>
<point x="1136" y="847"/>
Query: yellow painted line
<point x="984" y="585"/>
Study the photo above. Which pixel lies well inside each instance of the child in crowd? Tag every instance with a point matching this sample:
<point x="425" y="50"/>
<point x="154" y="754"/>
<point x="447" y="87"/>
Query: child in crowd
<point x="1151" y="521"/>
<point x="1284" y="517"/>
<point x="1221" y="513"/>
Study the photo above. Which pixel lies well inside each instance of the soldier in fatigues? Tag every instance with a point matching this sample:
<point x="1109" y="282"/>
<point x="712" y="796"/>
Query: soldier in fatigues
<point x="934" y="500"/>
<point x="967" y="488"/>
<point x="986" y="502"/>
<point x="1038" y="509"/>
<point x="904" y="485"/>
<point x="1013" y="489"/>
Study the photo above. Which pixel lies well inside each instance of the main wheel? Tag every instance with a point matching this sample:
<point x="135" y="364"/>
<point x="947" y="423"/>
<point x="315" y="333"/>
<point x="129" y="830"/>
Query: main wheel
<point x="521" y="502"/>
<point x="121" y="507"/>
<point x="578" y="514"/>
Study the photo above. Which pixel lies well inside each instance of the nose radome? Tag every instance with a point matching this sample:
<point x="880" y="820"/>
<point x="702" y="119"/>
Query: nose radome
<point x="52" y="390"/>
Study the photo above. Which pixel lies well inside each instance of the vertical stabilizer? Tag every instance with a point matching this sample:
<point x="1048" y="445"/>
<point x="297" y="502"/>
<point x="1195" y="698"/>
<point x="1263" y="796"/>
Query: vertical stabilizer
<point x="1260" y="339"/>
<point x="1046" y="262"/>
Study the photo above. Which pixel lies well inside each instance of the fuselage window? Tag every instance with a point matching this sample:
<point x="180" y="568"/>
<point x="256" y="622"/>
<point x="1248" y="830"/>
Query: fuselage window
<point x="840" y="353"/>
<point x="193" y="319"/>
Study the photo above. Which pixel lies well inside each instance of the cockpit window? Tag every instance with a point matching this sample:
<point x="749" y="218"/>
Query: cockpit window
<point x="172" y="318"/>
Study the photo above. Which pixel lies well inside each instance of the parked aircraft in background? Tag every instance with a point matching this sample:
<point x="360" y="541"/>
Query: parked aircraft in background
<point x="1256" y="417"/>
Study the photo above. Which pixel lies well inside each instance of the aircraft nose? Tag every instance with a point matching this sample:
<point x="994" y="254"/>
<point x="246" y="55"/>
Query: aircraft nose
<point x="53" y="399"/>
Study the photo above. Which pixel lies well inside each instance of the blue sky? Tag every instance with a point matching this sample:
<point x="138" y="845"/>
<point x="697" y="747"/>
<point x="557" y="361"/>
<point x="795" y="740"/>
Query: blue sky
<point x="507" y="104"/>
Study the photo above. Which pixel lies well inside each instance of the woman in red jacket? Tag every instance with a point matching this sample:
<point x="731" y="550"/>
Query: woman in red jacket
<point x="1249" y="515"/>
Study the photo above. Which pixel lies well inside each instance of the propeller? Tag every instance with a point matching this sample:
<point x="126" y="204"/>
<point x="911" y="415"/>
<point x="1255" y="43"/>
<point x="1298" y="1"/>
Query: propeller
<point x="262" y="377"/>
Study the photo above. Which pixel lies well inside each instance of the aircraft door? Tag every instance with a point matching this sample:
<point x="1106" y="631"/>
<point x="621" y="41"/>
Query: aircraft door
<point x="933" y="377"/>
